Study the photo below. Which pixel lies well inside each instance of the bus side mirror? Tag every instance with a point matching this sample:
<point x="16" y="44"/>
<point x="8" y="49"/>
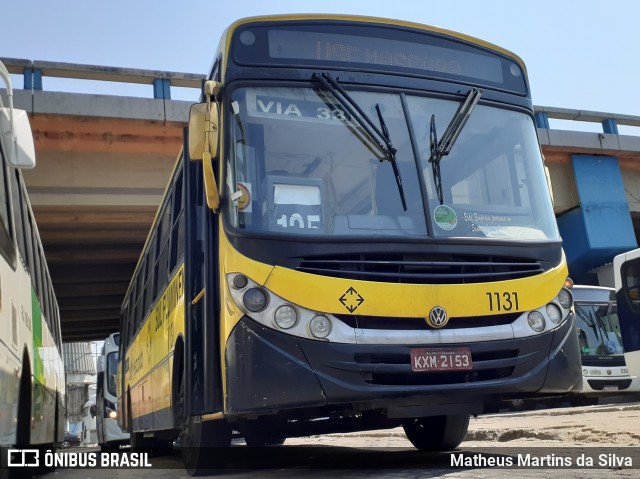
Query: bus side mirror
<point x="203" y="130"/>
<point x="204" y="138"/>
<point x="17" y="137"/>
<point x="100" y="364"/>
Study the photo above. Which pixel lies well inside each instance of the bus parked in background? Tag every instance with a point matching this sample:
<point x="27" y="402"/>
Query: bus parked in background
<point x="626" y="274"/>
<point x="110" y="436"/>
<point x="602" y="344"/>
<point x="32" y="381"/>
<point x="357" y="235"/>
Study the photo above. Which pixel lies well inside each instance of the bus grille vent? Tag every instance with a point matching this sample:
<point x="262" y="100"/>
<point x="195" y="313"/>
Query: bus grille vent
<point x="440" y="269"/>
<point x="419" y="324"/>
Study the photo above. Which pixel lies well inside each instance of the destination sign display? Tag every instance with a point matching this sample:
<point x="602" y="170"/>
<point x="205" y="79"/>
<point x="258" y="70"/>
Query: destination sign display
<point x="382" y="52"/>
<point x="376" y="48"/>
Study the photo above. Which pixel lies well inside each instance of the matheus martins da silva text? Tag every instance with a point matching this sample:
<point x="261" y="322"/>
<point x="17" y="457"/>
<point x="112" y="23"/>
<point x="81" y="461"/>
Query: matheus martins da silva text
<point x="547" y="460"/>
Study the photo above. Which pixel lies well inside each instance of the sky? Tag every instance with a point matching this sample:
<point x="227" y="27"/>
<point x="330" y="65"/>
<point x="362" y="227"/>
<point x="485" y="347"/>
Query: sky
<point x="580" y="54"/>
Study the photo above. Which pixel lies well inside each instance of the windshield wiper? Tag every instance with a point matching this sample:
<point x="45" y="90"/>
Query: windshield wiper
<point x="440" y="149"/>
<point x="381" y="139"/>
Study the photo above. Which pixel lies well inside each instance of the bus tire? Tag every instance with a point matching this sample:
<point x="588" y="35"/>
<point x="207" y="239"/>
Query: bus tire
<point x="436" y="433"/>
<point x="108" y="447"/>
<point x="23" y="431"/>
<point x="139" y="443"/>
<point x="260" y="438"/>
<point x="51" y="447"/>
<point x="178" y="385"/>
<point x="197" y="442"/>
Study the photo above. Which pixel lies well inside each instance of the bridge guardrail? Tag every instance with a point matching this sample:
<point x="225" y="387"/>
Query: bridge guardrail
<point x="162" y="81"/>
<point x="34" y="70"/>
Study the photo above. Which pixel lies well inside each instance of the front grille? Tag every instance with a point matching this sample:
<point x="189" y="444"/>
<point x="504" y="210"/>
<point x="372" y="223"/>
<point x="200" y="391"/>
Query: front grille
<point x="604" y="361"/>
<point x="421" y="269"/>
<point x="426" y="379"/>
<point x="417" y="324"/>
<point x="599" y="385"/>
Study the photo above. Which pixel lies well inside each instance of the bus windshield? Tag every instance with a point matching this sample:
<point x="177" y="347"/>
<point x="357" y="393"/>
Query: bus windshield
<point x="598" y="329"/>
<point x="300" y="163"/>
<point x="112" y="370"/>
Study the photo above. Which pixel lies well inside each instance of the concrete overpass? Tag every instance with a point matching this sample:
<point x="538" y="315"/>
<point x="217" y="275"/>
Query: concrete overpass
<point x="103" y="163"/>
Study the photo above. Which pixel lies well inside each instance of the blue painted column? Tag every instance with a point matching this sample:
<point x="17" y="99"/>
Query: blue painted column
<point x="610" y="125"/>
<point x="32" y="79"/>
<point x="601" y="227"/>
<point x="162" y="89"/>
<point x="542" y="119"/>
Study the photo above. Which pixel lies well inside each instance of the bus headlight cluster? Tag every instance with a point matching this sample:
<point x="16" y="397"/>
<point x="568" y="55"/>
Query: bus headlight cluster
<point x="272" y="311"/>
<point x="320" y="326"/>
<point x="255" y="299"/>
<point x="285" y="316"/>
<point x="565" y="298"/>
<point x="536" y="321"/>
<point x="554" y="313"/>
<point x="551" y="315"/>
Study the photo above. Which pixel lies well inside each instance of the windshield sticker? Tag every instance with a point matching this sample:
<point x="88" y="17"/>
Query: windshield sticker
<point x="244" y="200"/>
<point x="482" y="218"/>
<point x="284" y="108"/>
<point x="445" y="217"/>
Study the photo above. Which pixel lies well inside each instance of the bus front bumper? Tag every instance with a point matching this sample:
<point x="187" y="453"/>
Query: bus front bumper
<point x="268" y="371"/>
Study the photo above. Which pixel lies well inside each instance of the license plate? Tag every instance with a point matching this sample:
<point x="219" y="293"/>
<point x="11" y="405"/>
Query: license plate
<point x="441" y="359"/>
<point x="610" y="388"/>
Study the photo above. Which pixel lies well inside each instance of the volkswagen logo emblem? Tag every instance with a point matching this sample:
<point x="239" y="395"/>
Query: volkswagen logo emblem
<point x="437" y="317"/>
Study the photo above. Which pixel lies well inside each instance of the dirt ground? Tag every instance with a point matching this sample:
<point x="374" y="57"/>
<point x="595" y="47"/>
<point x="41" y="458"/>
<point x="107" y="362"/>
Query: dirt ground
<point x="603" y="425"/>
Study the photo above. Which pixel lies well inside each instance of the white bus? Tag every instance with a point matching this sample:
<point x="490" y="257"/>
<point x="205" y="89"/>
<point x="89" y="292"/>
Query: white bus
<point x="626" y="272"/>
<point x="605" y="366"/>
<point x="32" y="381"/>
<point x="110" y="436"/>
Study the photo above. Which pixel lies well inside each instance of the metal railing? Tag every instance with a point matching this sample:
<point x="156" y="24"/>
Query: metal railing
<point x="162" y="81"/>
<point x="34" y="70"/>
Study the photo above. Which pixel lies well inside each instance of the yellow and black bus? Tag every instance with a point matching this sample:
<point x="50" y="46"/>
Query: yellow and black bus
<point x="358" y="234"/>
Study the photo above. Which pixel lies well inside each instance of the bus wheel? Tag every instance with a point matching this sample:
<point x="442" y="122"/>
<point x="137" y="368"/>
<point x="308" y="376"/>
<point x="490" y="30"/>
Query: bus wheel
<point x="139" y="443"/>
<point x="260" y="438"/>
<point x="436" y="433"/>
<point x="199" y="442"/>
<point x="178" y="386"/>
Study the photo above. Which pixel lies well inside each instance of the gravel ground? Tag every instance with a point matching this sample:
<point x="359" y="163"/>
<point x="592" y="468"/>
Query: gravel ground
<point x="606" y="425"/>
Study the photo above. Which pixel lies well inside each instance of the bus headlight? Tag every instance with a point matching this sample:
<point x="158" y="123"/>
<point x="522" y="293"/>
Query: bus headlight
<point x="536" y="321"/>
<point x="255" y="300"/>
<point x="320" y="326"/>
<point x="260" y="304"/>
<point x="285" y="316"/>
<point x="565" y="298"/>
<point x="240" y="281"/>
<point x="554" y="313"/>
<point x="111" y="413"/>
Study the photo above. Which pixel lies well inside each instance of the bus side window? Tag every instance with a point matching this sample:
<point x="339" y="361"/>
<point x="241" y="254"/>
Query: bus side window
<point x="177" y="228"/>
<point x="17" y="213"/>
<point x="7" y="248"/>
<point x="631" y="284"/>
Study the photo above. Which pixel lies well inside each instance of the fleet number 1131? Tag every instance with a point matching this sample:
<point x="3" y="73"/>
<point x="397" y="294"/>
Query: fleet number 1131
<point x="504" y="301"/>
